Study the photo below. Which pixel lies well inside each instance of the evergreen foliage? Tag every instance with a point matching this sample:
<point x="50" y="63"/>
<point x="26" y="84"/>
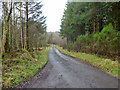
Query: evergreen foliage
<point x="103" y="43"/>
<point x="92" y="27"/>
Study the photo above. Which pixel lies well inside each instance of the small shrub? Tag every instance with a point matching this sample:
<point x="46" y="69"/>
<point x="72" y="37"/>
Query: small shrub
<point x="2" y="54"/>
<point x="64" y="46"/>
<point x="22" y="50"/>
<point x="30" y="50"/>
<point x="70" y="47"/>
<point x="37" y="52"/>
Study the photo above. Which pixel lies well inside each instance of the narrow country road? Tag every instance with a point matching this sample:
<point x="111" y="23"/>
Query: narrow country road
<point x="65" y="72"/>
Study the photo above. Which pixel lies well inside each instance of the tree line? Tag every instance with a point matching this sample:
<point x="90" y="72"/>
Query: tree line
<point x="23" y="26"/>
<point x="92" y="27"/>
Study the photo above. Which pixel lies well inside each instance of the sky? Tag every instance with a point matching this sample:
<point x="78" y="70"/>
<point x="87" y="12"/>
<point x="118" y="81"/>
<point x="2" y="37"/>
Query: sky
<point x="53" y="10"/>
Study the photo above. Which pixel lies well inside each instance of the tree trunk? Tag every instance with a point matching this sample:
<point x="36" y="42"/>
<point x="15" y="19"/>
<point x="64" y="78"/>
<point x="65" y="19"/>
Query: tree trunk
<point x="5" y="30"/>
<point x="7" y="47"/>
<point x="94" y="24"/>
<point x="11" y="32"/>
<point x="16" y="33"/>
<point x="7" y="35"/>
<point x="14" y="39"/>
<point x="26" y="28"/>
<point x="21" y="31"/>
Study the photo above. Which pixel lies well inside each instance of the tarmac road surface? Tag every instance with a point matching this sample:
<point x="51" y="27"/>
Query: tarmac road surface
<point x="63" y="71"/>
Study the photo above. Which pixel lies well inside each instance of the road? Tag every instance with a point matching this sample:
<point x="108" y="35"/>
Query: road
<point x="65" y="72"/>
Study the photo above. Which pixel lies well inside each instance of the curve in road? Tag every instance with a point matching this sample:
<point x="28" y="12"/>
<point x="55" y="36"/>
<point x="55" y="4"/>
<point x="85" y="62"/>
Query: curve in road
<point x="65" y="72"/>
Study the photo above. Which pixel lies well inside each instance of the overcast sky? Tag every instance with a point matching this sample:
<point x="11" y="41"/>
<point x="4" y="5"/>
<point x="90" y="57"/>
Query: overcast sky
<point x="54" y="10"/>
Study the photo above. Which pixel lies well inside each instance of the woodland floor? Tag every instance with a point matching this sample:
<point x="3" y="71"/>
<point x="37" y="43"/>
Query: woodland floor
<point x="20" y="65"/>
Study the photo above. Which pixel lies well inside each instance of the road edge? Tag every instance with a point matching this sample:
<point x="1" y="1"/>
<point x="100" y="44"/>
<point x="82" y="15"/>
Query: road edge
<point x="82" y="61"/>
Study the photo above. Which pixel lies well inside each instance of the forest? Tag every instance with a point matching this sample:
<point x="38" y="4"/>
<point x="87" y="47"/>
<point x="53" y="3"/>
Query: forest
<point x="15" y="20"/>
<point x="84" y="53"/>
<point x="22" y="31"/>
<point x="92" y="28"/>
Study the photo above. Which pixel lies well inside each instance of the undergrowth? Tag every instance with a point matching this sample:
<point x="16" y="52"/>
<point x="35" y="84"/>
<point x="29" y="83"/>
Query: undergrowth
<point x="24" y="65"/>
<point x="104" y="43"/>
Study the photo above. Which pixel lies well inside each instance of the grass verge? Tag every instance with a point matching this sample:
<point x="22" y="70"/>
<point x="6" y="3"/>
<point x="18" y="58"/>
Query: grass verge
<point x="106" y="65"/>
<point x="23" y="66"/>
<point x="0" y="71"/>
